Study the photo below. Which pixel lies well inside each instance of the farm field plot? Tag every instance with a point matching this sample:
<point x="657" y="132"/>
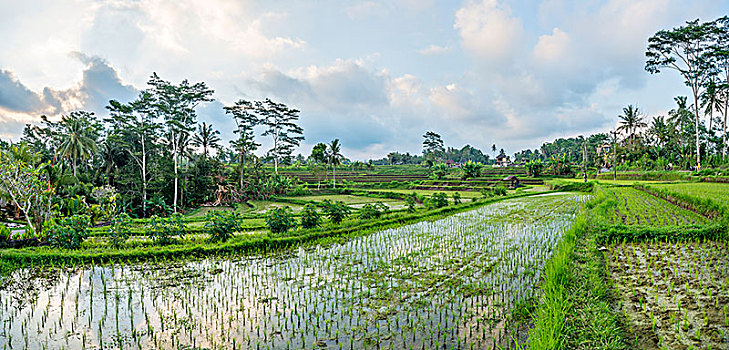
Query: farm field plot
<point x="352" y="201"/>
<point x="636" y="207"/>
<point x="449" y="283"/>
<point x="674" y="295"/>
<point x="464" y="194"/>
<point x="714" y="191"/>
<point x="260" y="206"/>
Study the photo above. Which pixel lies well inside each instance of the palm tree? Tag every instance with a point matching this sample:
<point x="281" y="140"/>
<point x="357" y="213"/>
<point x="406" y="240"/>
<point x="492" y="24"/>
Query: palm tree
<point x="710" y="101"/>
<point x="630" y="121"/>
<point x="335" y="158"/>
<point x="206" y="137"/>
<point x="78" y="141"/>
<point x="660" y="130"/>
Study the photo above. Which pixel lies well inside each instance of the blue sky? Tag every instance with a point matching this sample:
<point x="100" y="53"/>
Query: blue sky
<point x="375" y="74"/>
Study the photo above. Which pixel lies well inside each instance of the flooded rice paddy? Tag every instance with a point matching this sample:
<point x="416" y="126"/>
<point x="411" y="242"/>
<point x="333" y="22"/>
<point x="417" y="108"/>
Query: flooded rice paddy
<point x="449" y="283"/>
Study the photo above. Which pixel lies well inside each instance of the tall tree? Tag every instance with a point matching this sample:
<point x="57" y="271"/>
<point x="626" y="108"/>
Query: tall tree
<point x="135" y="129"/>
<point x="630" y="121"/>
<point x="206" y="137"/>
<point x="683" y="49"/>
<point x="22" y="180"/>
<point x="319" y="153"/>
<point x="245" y="118"/>
<point x="280" y="122"/>
<point x="719" y="58"/>
<point x="77" y="137"/>
<point x="335" y="158"/>
<point x="176" y="104"/>
<point x="432" y="145"/>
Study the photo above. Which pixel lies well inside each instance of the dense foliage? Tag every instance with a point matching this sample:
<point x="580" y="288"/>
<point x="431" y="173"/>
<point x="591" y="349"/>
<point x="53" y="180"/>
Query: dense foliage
<point x="280" y="220"/>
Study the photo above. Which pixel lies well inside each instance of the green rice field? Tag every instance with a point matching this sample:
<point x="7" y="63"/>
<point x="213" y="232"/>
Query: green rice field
<point x="448" y="283"/>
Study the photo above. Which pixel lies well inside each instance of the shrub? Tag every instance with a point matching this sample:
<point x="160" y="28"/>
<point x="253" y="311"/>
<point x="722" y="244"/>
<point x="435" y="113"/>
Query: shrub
<point x="471" y="169"/>
<point x="410" y="201"/>
<point x="165" y="230"/>
<point x="299" y="190"/>
<point x="486" y="193"/>
<point x="456" y="198"/>
<point x="310" y="217"/>
<point x="222" y="225"/>
<point x="535" y="167"/>
<point x="280" y="220"/>
<point x="373" y="211"/>
<point x="499" y="190"/>
<point x="69" y="232"/>
<point x="336" y="212"/>
<point x="437" y="200"/>
<point x="119" y="229"/>
<point x="4" y="233"/>
<point x="439" y="171"/>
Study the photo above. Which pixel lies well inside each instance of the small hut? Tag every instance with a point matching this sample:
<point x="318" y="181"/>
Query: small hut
<point x="512" y="180"/>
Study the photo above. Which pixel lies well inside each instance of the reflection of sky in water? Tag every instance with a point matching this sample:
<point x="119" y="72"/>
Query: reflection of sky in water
<point x="447" y="281"/>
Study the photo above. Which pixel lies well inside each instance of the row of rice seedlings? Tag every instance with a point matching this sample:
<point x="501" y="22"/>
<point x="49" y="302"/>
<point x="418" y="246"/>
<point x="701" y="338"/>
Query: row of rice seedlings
<point x="674" y="294"/>
<point x="436" y="284"/>
<point x="635" y="207"/>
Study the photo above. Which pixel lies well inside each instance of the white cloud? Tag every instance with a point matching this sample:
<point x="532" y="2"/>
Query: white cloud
<point x="552" y="48"/>
<point x="488" y="30"/>
<point x="434" y="50"/>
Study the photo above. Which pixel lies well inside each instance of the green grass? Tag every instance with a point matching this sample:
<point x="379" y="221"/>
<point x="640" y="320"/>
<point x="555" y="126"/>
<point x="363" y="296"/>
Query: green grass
<point x="464" y="194"/>
<point x="704" y="190"/>
<point x="346" y="198"/>
<point x="636" y="207"/>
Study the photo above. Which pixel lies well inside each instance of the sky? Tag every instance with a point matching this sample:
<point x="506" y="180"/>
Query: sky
<point x="375" y="74"/>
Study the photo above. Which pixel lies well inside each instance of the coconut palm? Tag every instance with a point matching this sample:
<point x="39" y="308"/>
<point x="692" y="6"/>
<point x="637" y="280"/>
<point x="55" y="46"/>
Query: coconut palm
<point x="335" y="158"/>
<point x="630" y="121"/>
<point x="77" y="140"/>
<point x="206" y="137"/>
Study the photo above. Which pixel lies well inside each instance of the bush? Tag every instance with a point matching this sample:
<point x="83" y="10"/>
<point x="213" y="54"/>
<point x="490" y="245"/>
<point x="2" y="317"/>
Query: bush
<point x="336" y="212"/>
<point x="535" y="167"/>
<point x="299" y="190"/>
<point x="222" y="225"/>
<point x="310" y="217"/>
<point x="456" y="198"/>
<point x="439" y="171"/>
<point x="438" y="200"/>
<point x="280" y="220"/>
<point x="69" y="232"/>
<point x="486" y="193"/>
<point x="471" y="169"/>
<point x="165" y="230"/>
<point x="410" y="201"/>
<point x="120" y="229"/>
<point x="373" y="211"/>
<point x="4" y="233"/>
<point x="499" y="190"/>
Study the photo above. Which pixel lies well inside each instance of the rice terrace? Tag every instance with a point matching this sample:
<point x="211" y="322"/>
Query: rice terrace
<point x="311" y="205"/>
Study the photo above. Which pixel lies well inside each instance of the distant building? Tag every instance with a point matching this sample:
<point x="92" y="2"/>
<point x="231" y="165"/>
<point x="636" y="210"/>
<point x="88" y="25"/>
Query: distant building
<point x="604" y="148"/>
<point x="502" y="160"/>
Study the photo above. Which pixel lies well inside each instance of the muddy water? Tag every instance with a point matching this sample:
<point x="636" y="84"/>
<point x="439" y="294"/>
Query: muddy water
<point x="449" y="283"/>
<point x="675" y="295"/>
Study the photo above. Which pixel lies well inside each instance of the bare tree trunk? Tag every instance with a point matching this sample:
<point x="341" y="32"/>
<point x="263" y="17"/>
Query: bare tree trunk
<point x="334" y="170"/>
<point x="723" y="136"/>
<point x="696" y="110"/>
<point x="144" y="178"/>
<point x="174" y="155"/>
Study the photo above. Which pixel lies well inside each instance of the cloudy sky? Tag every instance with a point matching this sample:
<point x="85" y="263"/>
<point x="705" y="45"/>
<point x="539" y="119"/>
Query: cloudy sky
<point x="375" y="74"/>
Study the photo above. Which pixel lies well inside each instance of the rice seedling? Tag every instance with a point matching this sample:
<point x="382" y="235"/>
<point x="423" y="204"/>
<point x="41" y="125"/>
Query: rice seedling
<point x="447" y="283"/>
<point x="680" y="294"/>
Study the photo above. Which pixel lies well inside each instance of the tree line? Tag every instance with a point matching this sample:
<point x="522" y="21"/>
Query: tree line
<point x="151" y="151"/>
